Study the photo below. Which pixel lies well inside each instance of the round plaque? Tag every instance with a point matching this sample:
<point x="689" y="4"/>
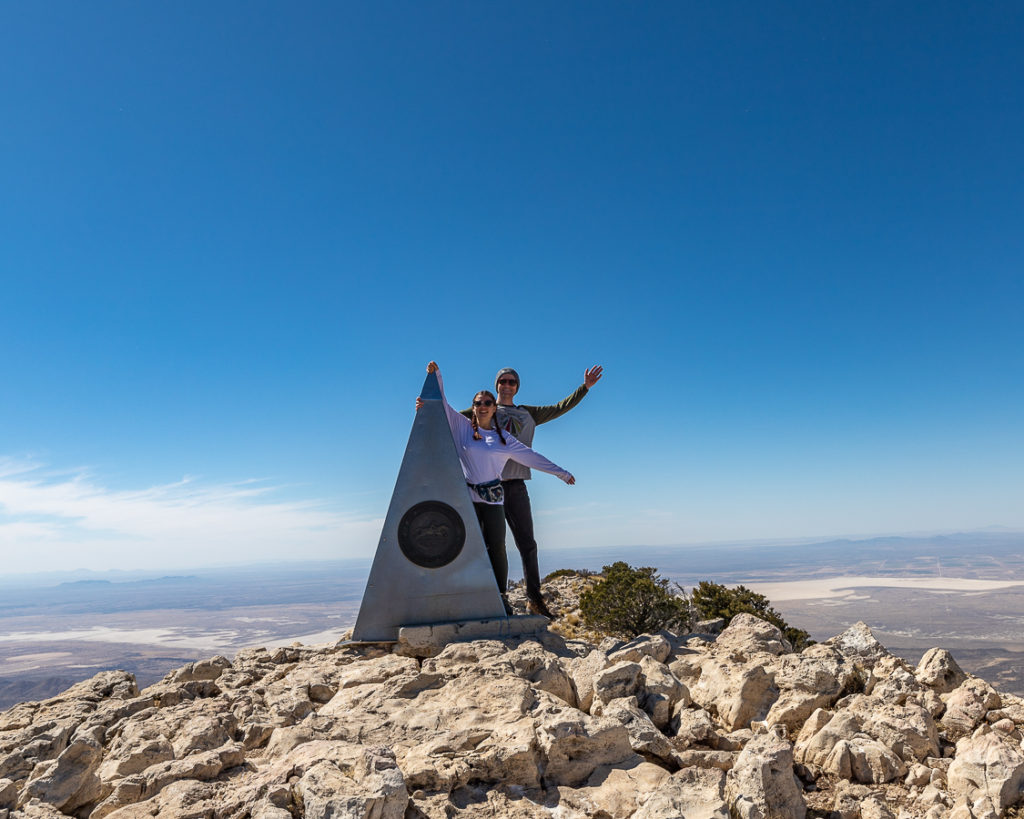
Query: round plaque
<point x="431" y="534"/>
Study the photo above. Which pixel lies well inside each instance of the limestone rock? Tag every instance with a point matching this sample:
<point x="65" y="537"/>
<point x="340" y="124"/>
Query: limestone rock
<point x="611" y="791"/>
<point x="690" y="792"/>
<point x="687" y="666"/>
<point x="618" y="680"/>
<point x="893" y="680"/>
<point x="875" y="806"/>
<point x="807" y="681"/>
<point x="574" y="748"/>
<point x="373" y="786"/>
<point x="843" y="748"/>
<point x="209" y="669"/>
<point x="735" y="693"/>
<point x="863" y="759"/>
<point x="531" y="662"/>
<point x="692" y="726"/>
<point x="859" y="644"/>
<point x="747" y="635"/>
<point x="36" y="809"/>
<point x="583" y="671"/>
<point x="655" y="646"/>
<point x="644" y="737"/>
<point x="135" y="756"/>
<point x="762" y="783"/>
<point x="967" y="706"/>
<point x="661" y="691"/>
<point x="523" y="728"/>
<point x="378" y="670"/>
<point x="907" y="729"/>
<point x="939" y="671"/>
<point x="8" y="794"/>
<point x="69" y="781"/>
<point x="989" y="765"/>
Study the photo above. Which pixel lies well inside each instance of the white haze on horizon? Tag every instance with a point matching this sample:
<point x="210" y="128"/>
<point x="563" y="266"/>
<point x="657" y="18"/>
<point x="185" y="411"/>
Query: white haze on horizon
<point x="68" y="520"/>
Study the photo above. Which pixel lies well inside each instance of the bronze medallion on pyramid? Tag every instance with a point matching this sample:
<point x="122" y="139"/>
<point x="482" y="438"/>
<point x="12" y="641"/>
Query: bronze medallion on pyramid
<point x="431" y="534"/>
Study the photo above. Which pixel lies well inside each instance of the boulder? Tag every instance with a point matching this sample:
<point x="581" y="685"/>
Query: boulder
<point x="209" y="669"/>
<point x="644" y="737"/>
<point x="747" y="635"/>
<point x="938" y="671"/>
<point x="661" y="691"/>
<point x="863" y="759"/>
<point x="134" y="757"/>
<point x="544" y="670"/>
<point x="988" y="765"/>
<point x="372" y="787"/>
<point x="692" y="726"/>
<point x="761" y="784"/>
<point x="574" y="747"/>
<point x="843" y="748"/>
<point x="583" y="671"/>
<point x="859" y="645"/>
<point x="967" y="705"/>
<point x="813" y="679"/>
<point x="69" y="781"/>
<point x="735" y="693"/>
<point x="8" y="794"/>
<point x="893" y="680"/>
<point x="908" y="729"/>
<point x="610" y="791"/>
<point x="618" y="680"/>
<point x="655" y="646"/>
<point x="689" y="792"/>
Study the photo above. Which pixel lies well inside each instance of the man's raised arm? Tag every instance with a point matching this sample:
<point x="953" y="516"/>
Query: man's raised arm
<point x="541" y="415"/>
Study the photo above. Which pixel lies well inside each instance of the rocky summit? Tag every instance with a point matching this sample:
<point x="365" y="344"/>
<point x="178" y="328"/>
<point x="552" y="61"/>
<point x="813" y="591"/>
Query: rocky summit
<point x="666" y="725"/>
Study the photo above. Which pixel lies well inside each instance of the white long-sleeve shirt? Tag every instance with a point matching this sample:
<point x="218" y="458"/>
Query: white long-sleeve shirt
<point x="483" y="460"/>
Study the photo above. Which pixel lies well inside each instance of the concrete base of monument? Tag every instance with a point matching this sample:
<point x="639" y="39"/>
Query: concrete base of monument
<point x="429" y="640"/>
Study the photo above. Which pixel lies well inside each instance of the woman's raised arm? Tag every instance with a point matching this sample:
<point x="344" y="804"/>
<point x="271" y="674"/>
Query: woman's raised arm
<point x="460" y="425"/>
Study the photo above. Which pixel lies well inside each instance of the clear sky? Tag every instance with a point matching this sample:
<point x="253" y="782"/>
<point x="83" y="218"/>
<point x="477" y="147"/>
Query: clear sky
<point x="232" y="234"/>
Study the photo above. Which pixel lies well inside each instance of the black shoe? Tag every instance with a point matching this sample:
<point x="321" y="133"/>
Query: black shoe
<point x="508" y="608"/>
<point x="537" y="606"/>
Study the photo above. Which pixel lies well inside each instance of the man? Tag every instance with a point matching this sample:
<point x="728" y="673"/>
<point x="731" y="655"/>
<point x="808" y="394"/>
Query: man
<point x="522" y="420"/>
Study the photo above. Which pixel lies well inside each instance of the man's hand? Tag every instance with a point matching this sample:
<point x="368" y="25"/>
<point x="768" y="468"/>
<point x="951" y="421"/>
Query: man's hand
<point x="433" y="368"/>
<point x="592" y="376"/>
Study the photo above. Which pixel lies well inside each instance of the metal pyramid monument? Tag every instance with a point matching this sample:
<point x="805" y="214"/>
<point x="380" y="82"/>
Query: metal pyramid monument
<point x="431" y="565"/>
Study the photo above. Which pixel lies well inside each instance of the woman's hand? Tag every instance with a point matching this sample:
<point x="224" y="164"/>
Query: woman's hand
<point x="432" y="367"/>
<point x="419" y="403"/>
<point x="571" y="480"/>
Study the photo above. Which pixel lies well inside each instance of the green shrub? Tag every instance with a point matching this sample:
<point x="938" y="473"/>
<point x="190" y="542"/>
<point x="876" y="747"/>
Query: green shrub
<point x="713" y="600"/>
<point x="631" y="601"/>
<point x="568" y="573"/>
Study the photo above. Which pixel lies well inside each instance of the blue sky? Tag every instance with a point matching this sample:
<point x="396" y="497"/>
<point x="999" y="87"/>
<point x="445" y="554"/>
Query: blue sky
<point x="231" y="236"/>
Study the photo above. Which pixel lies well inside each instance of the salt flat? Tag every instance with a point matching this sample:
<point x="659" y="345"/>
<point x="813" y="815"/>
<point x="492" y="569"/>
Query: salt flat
<point x="847" y="586"/>
<point x="964" y="593"/>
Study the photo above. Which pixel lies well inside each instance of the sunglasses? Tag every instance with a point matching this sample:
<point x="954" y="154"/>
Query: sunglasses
<point x="485" y="402"/>
<point x="507" y="381"/>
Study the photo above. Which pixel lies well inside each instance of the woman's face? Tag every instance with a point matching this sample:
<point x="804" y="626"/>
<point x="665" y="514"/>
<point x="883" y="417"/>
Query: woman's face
<point x="483" y="406"/>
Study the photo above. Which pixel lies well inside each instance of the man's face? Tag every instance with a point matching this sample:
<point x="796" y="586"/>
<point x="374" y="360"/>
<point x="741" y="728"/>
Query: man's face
<point x="507" y="388"/>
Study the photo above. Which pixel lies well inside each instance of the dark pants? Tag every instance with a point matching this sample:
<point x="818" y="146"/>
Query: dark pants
<point x="520" y="521"/>
<point x="492" y="525"/>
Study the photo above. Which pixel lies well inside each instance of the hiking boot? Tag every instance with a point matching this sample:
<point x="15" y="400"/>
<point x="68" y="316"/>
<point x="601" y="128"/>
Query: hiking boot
<point x="537" y="606"/>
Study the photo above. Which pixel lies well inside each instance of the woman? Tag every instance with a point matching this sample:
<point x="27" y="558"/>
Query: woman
<point x="483" y="450"/>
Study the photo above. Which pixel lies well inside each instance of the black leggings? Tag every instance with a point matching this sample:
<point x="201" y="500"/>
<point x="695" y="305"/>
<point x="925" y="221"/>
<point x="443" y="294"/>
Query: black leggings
<point x="492" y="523"/>
<point x="520" y="520"/>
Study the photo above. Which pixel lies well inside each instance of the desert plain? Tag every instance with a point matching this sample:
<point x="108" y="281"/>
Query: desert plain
<point x="963" y="592"/>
